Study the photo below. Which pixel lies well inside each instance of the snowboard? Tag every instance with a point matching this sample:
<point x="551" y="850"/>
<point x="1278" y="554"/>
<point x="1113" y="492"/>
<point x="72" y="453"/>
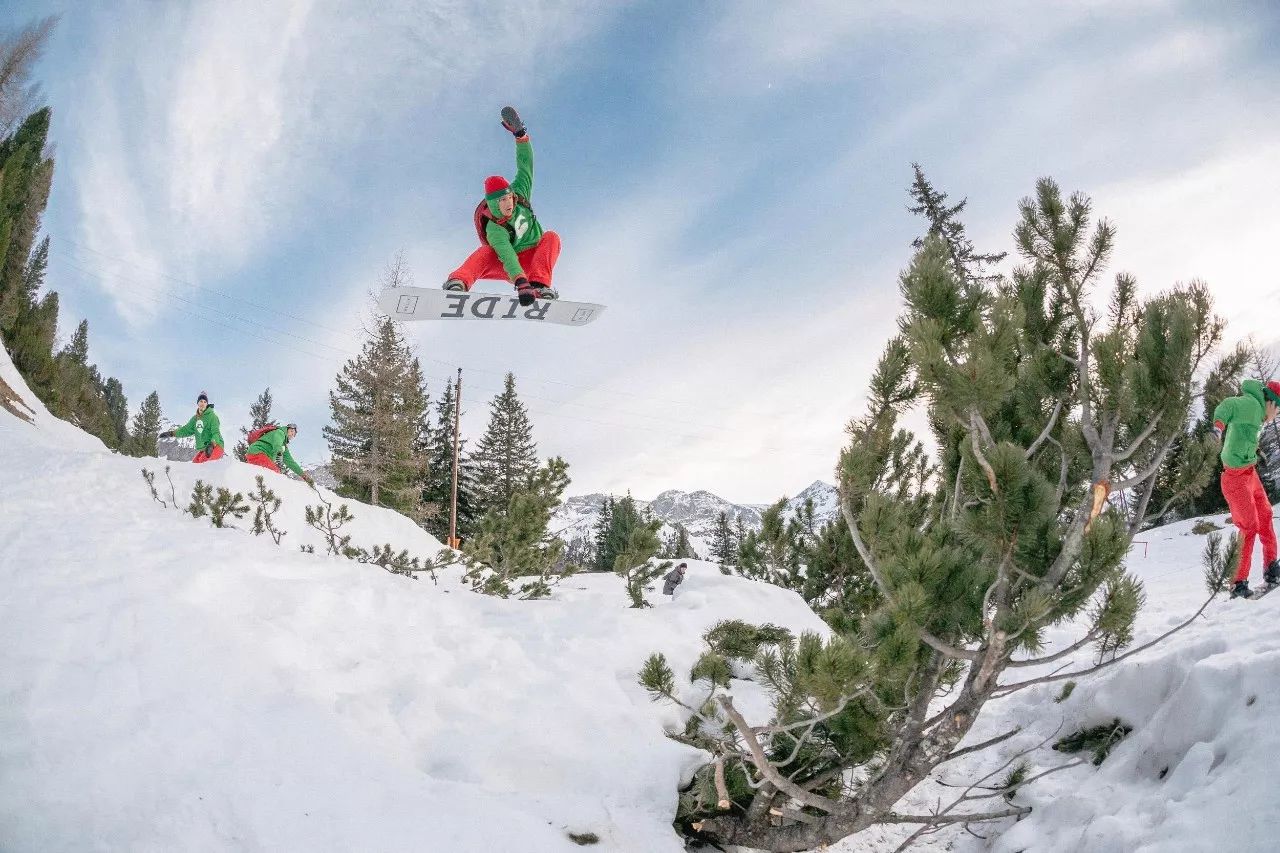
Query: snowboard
<point x="426" y="303"/>
<point x="1261" y="591"/>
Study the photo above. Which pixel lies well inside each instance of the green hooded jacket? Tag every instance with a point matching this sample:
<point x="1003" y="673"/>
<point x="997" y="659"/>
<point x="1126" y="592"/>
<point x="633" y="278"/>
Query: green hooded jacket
<point x="1241" y="417"/>
<point x="271" y="444"/>
<point x="528" y="231"/>
<point x="204" y="427"/>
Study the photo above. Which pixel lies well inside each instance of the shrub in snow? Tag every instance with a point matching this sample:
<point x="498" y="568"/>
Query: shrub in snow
<point x="264" y="513"/>
<point x="218" y="507"/>
<point x="511" y="552"/>
<point x="633" y="565"/>
<point x="1041" y="408"/>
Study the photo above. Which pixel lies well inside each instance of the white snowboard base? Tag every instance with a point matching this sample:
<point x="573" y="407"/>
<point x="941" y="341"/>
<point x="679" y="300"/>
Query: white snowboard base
<point x="426" y="303"/>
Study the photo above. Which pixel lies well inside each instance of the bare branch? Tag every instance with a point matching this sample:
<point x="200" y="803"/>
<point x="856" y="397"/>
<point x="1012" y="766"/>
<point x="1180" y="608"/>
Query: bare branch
<point x="1138" y="442"/>
<point x="1044" y="433"/>
<point x="767" y="770"/>
<point x="1006" y="689"/>
<point x="986" y="744"/>
<point x="944" y="819"/>
<point x="1071" y="649"/>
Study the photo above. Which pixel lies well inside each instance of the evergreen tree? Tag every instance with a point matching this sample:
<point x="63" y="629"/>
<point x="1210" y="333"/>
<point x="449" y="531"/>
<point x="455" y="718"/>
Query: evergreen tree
<point x="437" y="490"/>
<point x="506" y="456"/>
<point x="377" y="406"/>
<point x="776" y="553"/>
<point x="145" y="430"/>
<point x="78" y="393"/>
<point x="118" y="410"/>
<point x="259" y="416"/>
<point x="31" y="345"/>
<point x="723" y="551"/>
<point x="944" y="222"/>
<point x="600" y="536"/>
<point x="19" y="52"/>
<point x="739" y="537"/>
<point x="1055" y="405"/>
<point x="512" y="542"/>
<point x="26" y="176"/>
<point x="677" y="546"/>
<point x="624" y="517"/>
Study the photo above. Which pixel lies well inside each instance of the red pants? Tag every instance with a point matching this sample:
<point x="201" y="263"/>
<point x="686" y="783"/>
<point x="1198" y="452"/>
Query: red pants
<point x="262" y="459"/>
<point x="537" y="262"/>
<point x="1251" y="512"/>
<point x="214" y="452"/>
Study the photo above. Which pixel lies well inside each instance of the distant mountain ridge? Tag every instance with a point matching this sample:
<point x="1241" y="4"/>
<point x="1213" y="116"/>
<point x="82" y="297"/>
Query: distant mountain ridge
<point x="697" y="511"/>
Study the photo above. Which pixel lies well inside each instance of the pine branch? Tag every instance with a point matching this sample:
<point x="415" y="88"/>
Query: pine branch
<point x="762" y="763"/>
<point x="933" y="642"/>
<point x="1006" y="689"/>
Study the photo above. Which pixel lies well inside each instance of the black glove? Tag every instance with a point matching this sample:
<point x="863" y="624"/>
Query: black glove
<point x="524" y="291"/>
<point x="511" y="121"/>
<point x="167" y="434"/>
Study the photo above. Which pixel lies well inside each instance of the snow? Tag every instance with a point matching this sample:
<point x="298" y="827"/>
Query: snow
<point x="168" y="686"/>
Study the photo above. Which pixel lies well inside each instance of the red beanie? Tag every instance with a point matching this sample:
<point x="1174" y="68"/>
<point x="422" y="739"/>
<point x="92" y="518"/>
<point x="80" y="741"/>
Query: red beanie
<point x="495" y="184"/>
<point x="1274" y="387"/>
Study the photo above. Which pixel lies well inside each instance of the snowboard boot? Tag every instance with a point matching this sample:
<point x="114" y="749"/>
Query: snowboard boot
<point x="1272" y="575"/>
<point x="1240" y="590"/>
<point x="544" y="291"/>
<point x="455" y="286"/>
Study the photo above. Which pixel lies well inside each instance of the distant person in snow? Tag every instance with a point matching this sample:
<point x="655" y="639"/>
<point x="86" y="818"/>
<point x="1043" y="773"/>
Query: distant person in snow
<point x="271" y="442"/>
<point x="1237" y="421"/>
<point x="513" y="246"/>
<point x="205" y="427"/>
<point x="673" y="579"/>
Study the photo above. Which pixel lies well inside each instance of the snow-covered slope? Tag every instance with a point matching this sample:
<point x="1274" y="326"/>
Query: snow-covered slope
<point x="168" y="686"/>
<point x="697" y="511"/>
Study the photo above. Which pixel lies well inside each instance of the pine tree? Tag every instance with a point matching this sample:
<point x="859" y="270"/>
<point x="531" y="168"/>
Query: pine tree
<point x="145" y="430"/>
<point x="944" y="222"/>
<point x="259" y="416"/>
<point x="624" y="516"/>
<point x="739" y="537"/>
<point x="437" y="490"/>
<point x="506" y="456"/>
<point x="31" y="345"/>
<point x="513" y="542"/>
<point x="776" y="553"/>
<point x="19" y="52"/>
<point x="723" y="551"/>
<point x="1055" y="405"/>
<point x="600" y="536"/>
<point x="118" y="410"/>
<point x="677" y="546"/>
<point x="377" y="405"/>
<point x="26" y="176"/>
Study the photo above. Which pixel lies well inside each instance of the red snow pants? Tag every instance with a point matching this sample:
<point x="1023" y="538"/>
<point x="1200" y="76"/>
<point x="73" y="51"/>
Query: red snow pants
<point x="537" y="262"/>
<point x="214" y="452"/>
<point x="1251" y="512"/>
<point x="262" y="459"/>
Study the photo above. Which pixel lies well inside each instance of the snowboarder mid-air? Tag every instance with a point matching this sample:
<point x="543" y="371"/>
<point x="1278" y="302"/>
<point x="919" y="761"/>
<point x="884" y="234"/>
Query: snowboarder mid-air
<point x="205" y="427"/>
<point x="1238" y="421"/>
<point x="513" y="246"/>
<point x="271" y="441"/>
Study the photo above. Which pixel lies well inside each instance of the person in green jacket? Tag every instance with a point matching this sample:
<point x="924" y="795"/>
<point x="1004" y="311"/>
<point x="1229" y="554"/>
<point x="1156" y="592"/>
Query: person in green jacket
<point x="271" y="443"/>
<point x="205" y="427"/>
<point x="513" y="245"/>
<point x="1237" y="421"/>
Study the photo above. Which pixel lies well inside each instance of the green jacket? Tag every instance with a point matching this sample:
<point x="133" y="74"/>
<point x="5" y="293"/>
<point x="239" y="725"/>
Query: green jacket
<point x="204" y="427"/>
<point x="271" y="445"/>
<point x="528" y="231"/>
<point x="1241" y="417"/>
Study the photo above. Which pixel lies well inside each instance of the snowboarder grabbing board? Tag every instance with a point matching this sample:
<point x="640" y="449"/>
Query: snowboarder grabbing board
<point x="513" y="246"/>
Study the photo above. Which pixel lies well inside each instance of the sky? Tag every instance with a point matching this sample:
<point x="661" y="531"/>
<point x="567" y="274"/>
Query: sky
<point x="234" y="178"/>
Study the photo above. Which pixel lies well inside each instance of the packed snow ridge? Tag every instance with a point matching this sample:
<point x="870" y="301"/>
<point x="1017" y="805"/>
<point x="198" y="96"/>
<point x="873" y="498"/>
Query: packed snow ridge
<point x="165" y="685"/>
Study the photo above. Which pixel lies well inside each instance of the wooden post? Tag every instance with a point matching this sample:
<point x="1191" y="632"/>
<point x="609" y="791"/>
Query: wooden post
<point x="454" y="542"/>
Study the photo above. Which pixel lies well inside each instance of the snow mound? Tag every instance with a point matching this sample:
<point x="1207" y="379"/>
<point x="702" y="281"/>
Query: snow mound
<point x="165" y="685"/>
<point x="22" y="413"/>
